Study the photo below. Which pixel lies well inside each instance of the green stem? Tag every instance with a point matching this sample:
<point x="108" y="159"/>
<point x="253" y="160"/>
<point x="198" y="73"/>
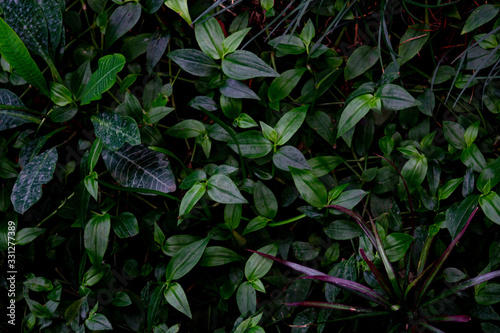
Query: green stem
<point x="293" y="219"/>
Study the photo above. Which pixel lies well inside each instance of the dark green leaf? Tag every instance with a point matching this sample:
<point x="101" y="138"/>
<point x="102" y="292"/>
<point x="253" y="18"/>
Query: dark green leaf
<point x="231" y="43"/>
<point x="413" y="40"/>
<point x="115" y="130"/>
<point x="96" y="236"/>
<point x="282" y="86"/>
<point x="414" y="172"/>
<point x="190" y="199"/>
<point x="38" y="284"/>
<point x="447" y="189"/>
<point x="252" y="144"/>
<point x="288" y="44"/>
<point x="194" y="62"/>
<point x="457" y="215"/>
<point x="203" y="103"/>
<point x="490" y="294"/>
<point x="27" y="235"/>
<point x="454" y="134"/>
<point x="322" y="123"/>
<point x="122" y="20"/>
<point x="231" y="107"/>
<point x="98" y="322"/>
<point x="209" y="36"/>
<point x="481" y="15"/>
<point x="246" y="298"/>
<point x="288" y="156"/>
<point x="180" y="7"/>
<point x="125" y="225"/>
<point x="473" y="158"/>
<point x="156" y="48"/>
<point x="353" y="113"/>
<point x="396" y="245"/>
<point x="395" y="97"/>
<point x="154" y="305"/>
<point x="490" y="204"/>
<point x="218" y="255"/>
<point x="104" y="78"/>
<point x="265" y="201"/>
<point x="244" y="65"/>
<point x="360" y="61"/>
<point x="175" y="296"/>
<point x="221" y="188"/>
<point x="343" y="229"/>
<point x="189" y="128"/>
<point x="185" y="259"/>
<point x="309" y="187"/>
<point x="290" y="123"/>
<point x="489" y="174"/>
<point x="257" y="266"/>
<point x="10" y="117"/>
<point x="348" y="199"/>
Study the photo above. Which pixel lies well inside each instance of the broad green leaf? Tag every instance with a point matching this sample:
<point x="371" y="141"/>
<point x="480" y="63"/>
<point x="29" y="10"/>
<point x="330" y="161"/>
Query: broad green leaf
<point x="396" y="245"/>
<point x="90" y="182"/>
<point x="288" y="44"/>
<point x="125" y="225"/>
<point x="308" y="33"/>
<point x="194" y="62"/>
<point x="266" y="4"/>
<point x="121" y="299"/>
<point x="185" y="259"/>
<point x="98" y="322"/>
<point x="231" y="107"/>
<point x="489" y="174"/>
<point x="395" y="98"/>
<point x="252" y="144"/>
<point x="189" y="128"/>
<point x="240" y="22"/>
<point x="413" y="40"/>
<point x="173" y="244"/>
<point x="316" y="87"/>
<point x="62" y="114"/>
<point x="59" y="94"/>
<point x="190" y="199"/>
<point x="480" y="16"/>
<point x="290" y="123"/>
<point x="454" y="134"/>
<point x="237" y="89"/>
<point x="490" y="294"/>
<point x="428" y="102"/>
<point x="348" y="199"/>
<point x="268" y="132"/>
<point x="16" y="54"/>
<point x="265" y="201"/>
<point x="443" y="74"/>
<point x="27" y="235"/>
<point x="346" y="270"/>
<point x="310" y="188"/>
<point x="244" y="65"/>
<point x="414" y="172"/>
<point x="122" y="20"/>
<point x="115" y="130"/>
<point x="95" y="238"/>
<point x="9" y="116"/>
<point x="232" y="215"/>
<point x="458" y="214"/>
<point x="152" y="6"/>
<point x="232" y="42"/>
<point x="140" y="167"/>
<point x="453" y="275"/>
<point x="471" y="132"/>
<point x="322" y="165"/>
<point x="473" y="158"/>
<point x="27" y="189"/>
<point x="38" y="284"/>
<point x="246" y="298"/>
<point x="154" y="305"/>
<point x="92" y="276"/>
<point x="209" y="36"/>
<point x="304" y="250"/>
<point x="360" y="61"/>
<point x="490" y="204"/>
<point x="322" y="123"/>
<point x="203" y="103"/>
<point x="352" y="114"/>
<point x="343" y="230"/>
<point x="257" y="266"/>
<point x="104" y="78"/>
<point x="156" y="48"/>
<point x="283" y="85"/>
<point x="244" y="121"/>
<point x="175" y="296"/>
<point x="180" y="7"/>
<point x="289" y="156"/>
<point x="447" y="189"/>
<point x="218" y="255"/>
<point x="255" y="224"/>
<point x="53" y="12"/>
<point x="192" y="179"/>
<point x="220" y="188"/>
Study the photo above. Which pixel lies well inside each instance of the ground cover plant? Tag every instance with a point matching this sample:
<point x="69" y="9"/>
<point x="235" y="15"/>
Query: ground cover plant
<point x="250" y="166"/>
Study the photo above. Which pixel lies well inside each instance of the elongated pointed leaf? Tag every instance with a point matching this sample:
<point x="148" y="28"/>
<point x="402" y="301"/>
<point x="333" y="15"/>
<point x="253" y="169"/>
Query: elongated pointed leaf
<point x="176" y="297"/>
<point x="154" y="305"/>
<point x="221" y="188"/>
<point x="231" y="43"/>
<point x="16" y="54"/>
<point x="194" y="62"/>
<point x="104" y="78"/>
<point x="10" y="116"/>
<point x="95" y="236"/>
<point x="282" y="86"/>
<point x="360" y="61"/>
<point x="333" y="306"/>
<point x="122" y="20"/>
<point x="190" y="199"/>
<point x="156" y="48"/>
<point x="28" y="186"/>
<point x="115" y="130"/>
<point x="490" y="174"/>
<point x="140" y="167"/>
<point x="288" y="156"/>
<point x="257" y="266"/>
<point x="209" y="36"/>
<point x="310" y="188"/>
<point x="481" y="15"/>
<point x="237" y="89"/>
<point x="53" y="12"/>
<point x="252" y="144"/>
<point x="244" y="65"/>
<point x="180" y="7"/>
<point x="414" y="172"/>
<point x="289" y="124"/>
<point x="413" y="40"/>
<point x="185" y="259"/>
<point x="395" y="98"/>
<point x="352" y="114"/>
<point x="490" y="204"/>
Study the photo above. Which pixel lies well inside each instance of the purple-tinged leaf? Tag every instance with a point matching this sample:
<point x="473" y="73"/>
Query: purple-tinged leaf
<point x="334" y="306"/>
<point x="358" y="219"/>
<point x="464" y="285"/>
<point x="456" y="319"/>
<point x="375" y="272"/>
<point x="443" y="258"/>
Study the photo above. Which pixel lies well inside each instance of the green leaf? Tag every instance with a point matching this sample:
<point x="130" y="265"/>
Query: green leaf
<point x="288" y="44"/>
<point x="447" y="189"/>
<point x="308" y="33"/>
<point x="218" y="255"/>
<point x="265" y="201"/>
<point x="175" y="296"/>
<point x="154" y="305"/>
<point x="189" y="128"/>
<point x="322" y="123"/>
<point x="125" y="225"/>
<point x="115" y="130"/>
<point x="38" y="284"/>
<point x="268" y="132"/>
<point x="10" y="117"/>
<point x="343" y="230"/>
<point x="156" y="48"/>
<point x="473" y="158"/>
<point x="220" y="188"/>
<point x="309" y="187"/>
<point x="192" y="179"/>
<point x="185" y="259"/>
<point x="255" y="224"/>
<point x="454" y="134"/>
<point x="177" y="242"/>
<point x="360" y="61"/>
<point x="16" y="54"/>
<point x="95" y="238"/>
<point x="414" y="172"/>
<point x="458" y="214"/>
<point x="413" y="40"/>
<point x="27" y="189"/>
<point x="194" y="62"/>
<point x="396" y="245"/>
<point x="490" y="294"/>
<point x="232" y="215"/>
<point x="190" y="199"/>
<point x="90" y="182"/>
<point x="27" y="235"/>
<point x="246" y="298"/>
<point x="290" y="123"/>
<point x="121" y="299"/>
<point x="140" y="167"/>
<point x="480" y="16"/>
<point x="62" y="114"/>
<point x="252" y="144"/>
<point x="453" y="275"/>
<point x="104" y="78"/>
<point x="231" y="43"/>
<point x="348" y="199"/>
<point x="352" y="114"/>
<point x="471" y="132"/>
<point x="489" y="174"/>
<point x="98" y="322"/>
<point x="180" y="7"/>
<point x="288" y="156"/>
<point x="209" y="36"/>
<point x="237" y="89"/>
<point x="123" y="19"/>
<point x="203" y="103"/>
<point x="490" y="204"/>
<point x="323" y="165"/>
<point x="244" y="65"/>
<point x="395" y="98"/>
<point x="257" y="266"/>
<point x="266" y="4"/>
<point x="283" y="85"/>
<point x="59" y="94"/>
<point x="231" y="107"/>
